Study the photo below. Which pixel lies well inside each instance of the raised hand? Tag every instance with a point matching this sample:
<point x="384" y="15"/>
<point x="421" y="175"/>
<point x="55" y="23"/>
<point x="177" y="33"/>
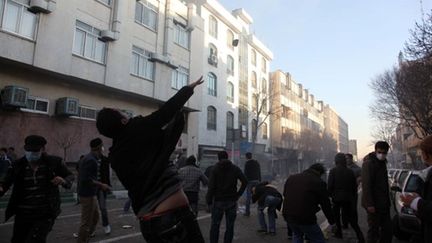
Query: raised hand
<point x="196" y="83"/>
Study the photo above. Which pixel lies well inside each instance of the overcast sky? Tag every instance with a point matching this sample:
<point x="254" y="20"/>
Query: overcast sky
<point x="335" y="47"/>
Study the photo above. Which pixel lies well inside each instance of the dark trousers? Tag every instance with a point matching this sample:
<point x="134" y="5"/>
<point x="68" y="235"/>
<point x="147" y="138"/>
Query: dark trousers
<point x="178" y="226"/>
<point x="380" y="227"/>
<point x="347" y="209"/>
<point x="101" y="197"/>
<point x="193" y="201"/>
<point x="31" y="231"/>
<point x="229" y="208"/>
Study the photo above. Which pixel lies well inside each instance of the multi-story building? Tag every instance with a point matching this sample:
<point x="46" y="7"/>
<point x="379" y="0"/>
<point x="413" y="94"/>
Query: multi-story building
<point x="62" y="61"/>
<point x="298" y="118"/>
<point x="352" y="148"/>
<point x="236" y="67"/>
<point x="337" y="128"/>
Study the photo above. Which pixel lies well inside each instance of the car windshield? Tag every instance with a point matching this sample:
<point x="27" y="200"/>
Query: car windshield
<point x="414" y="184"/>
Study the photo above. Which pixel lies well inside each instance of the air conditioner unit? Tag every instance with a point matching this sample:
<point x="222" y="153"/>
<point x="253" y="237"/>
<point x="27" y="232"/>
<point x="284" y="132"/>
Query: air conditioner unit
<point x="213" y="60"/>
<point x="42" y="6"/>
<point x="67" y="106"/>
<point x="107" y="35"/>
<point x="14" y="96"/>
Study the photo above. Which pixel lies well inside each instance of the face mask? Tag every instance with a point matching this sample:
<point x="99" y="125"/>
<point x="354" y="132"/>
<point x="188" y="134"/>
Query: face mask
<point x="32" y="156"/>
<point x="381" y="156"/>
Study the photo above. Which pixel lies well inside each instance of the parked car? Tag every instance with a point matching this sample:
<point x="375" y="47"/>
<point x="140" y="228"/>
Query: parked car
<point x="398" y="180"/>
<point x="405" y="223"/>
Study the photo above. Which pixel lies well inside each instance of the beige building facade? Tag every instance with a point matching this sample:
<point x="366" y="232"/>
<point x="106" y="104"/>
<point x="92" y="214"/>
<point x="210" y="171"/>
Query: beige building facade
<point x="62" y="61"/>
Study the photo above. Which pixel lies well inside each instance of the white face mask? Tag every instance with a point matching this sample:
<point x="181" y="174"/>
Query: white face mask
<point x="32" y="156"/>
<point x="381" y="156"/>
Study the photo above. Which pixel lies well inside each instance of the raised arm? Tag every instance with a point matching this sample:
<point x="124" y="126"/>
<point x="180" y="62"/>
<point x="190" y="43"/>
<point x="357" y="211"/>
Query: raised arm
<point x="168" y="110"/>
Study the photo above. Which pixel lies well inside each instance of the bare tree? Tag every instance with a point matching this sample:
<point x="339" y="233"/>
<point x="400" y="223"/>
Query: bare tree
<point x="386" y="131"/>
<point x="261" y="111"/>
<point x="419" y="45"/>
<point x="404" y="95"/>
<point x="65" y="141"/>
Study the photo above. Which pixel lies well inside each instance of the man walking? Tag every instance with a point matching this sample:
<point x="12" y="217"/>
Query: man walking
<point x="222" y="194"/>
<point x="89" y="184"/>
<point x="357" y="173"/>
<point x="304" y="195"/>
<point x="140" y="156"/>
<point x="5" y="164"/>
<point x="35" y="198"/>
<point x="192" y="176"/>
<point x="103" y="177"/>
<point x="252" y="171"/>
<point x="375" y="194"/>
<point x="342" y="187"/>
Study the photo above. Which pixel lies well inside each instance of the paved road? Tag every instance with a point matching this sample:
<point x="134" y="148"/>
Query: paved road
<point x="245" y="228"/>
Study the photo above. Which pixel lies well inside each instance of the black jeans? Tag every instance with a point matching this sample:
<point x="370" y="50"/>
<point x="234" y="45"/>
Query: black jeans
<point x="193" y="201"/>
<point x="229" y="208"/>
<point x="31" y="231"/>
<point x="178" y="226"/>
<point x="380" y="227"/>
<point x="351" y="214"/>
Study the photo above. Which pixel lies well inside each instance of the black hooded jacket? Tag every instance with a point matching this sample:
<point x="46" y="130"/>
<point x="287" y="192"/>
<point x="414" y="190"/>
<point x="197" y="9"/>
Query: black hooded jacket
<point x="223" y="182"/>
<point x="141" y="150"/>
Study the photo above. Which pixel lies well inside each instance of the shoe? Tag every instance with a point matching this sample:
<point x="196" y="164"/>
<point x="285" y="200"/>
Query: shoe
<point x="92" y="235"/>
<point x="107" y="229"/>
<point x="262" y="231"/>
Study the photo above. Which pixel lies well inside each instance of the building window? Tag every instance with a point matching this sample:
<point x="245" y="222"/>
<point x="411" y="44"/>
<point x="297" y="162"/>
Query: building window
<point x="255" y="102"/>
<point x="213" y="26"/>
<point x="181" y="35"/>
<point x="141" y="64"/>
<point x="87" y="43"/>
<point x="37" y="105"/>
<point x="263" y="65"/>
<point x="146" y="14"/>
<point x="230" y="120"/>
<point x="253" y="57"/>
<point x="230" y="39"/>
<point x="230" y="92"/>
<point x="230" y="65"/>
<point x="211" y="118"/>
<point x="254" y="80"/>
<point x="264" y="130"/>
<point x="180" y="78"/>
<point x="213" y="59"/>
<point x="16" y="18"/>
<point x="212" y="84"/>
<point x="264" y="86"/>
<point x="106" y="2"/>
<point x="87" y="112"/>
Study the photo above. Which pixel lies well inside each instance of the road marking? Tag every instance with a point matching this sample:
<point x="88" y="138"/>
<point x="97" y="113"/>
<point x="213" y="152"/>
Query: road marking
<point x="65" y="216"/>
<point x="138" y="234"/>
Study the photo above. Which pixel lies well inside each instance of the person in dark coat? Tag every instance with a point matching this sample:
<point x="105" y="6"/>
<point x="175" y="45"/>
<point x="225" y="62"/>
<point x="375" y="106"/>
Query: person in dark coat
<point x="376" y="195"/>
<point x="140" y="156"/>
<point x="252" y="171"/>
<point x="223" y="195"/>
<point x="423" y="204"/>
<point x="268" y="197"/>
<point x="304" y="195"/>
<point x="36" y="202"/>
<point x="342" y="186"/>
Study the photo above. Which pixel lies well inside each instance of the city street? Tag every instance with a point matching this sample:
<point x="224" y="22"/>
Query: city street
<point x="245" y="228"/>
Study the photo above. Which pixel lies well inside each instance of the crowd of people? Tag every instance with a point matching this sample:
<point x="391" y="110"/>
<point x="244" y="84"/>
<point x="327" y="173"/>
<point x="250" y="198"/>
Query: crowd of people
<point x="164" y="195"/>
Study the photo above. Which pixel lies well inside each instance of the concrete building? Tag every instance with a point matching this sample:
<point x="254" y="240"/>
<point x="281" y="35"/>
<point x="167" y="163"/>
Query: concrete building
<point x="236" y="66"/>
<point x="352" y="148"/>
<point x="62" y="61"/>
<point x="337" y="128"/>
